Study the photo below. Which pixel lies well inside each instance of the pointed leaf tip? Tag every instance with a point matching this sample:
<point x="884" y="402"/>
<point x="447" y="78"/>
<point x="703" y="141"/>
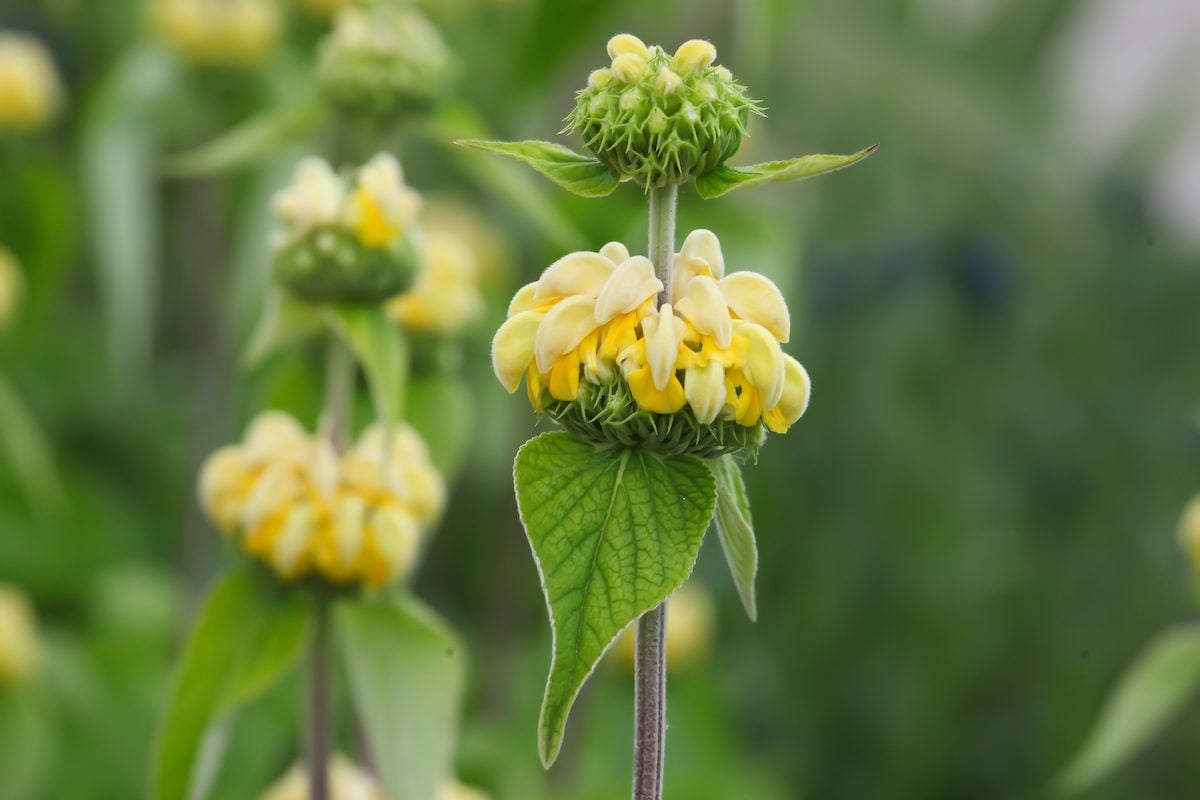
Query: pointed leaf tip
<point x="725" y="179"/>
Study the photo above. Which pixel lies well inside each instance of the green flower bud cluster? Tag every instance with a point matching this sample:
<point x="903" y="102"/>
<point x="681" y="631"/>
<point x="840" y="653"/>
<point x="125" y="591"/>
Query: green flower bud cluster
<point x="607" y="414"/>
<point x="334" y="266"/>
<point x="661" y="119"/>
<point x="381" y="60"/>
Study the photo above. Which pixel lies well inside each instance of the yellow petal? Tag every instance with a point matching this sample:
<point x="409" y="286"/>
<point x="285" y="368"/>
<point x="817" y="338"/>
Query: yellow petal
<point x="761" y="360"/>
<point x="275" y="436"/>
<point x="562" y="329"/>
<point x="755" y="298"/>
<point x="523" y="300"/>
<point x="512" y="348"/>
<point x="349" y="516"/>
<point x="615" y="252"/>
<point x="705" y="390"/>
<point x="649" y="397"/>
<point x="564" y="377"/>
<point x="599" y="78"/>
<point x="628" y="67"/>
<point x="797" y="389"/>
<point x="663" y="332"/>
<point x="288" y="555"/>
<point x="624" y="43"/>
<point x="396" y="541"/>
<point x="703" y="305"/>
<point x="580" y="273"/>
<point x="220" y="480"/>
<point x="704" y="244"/>
<point x="276" y="488"/>
<point x="631" y="284"/>
<point x="693" y="55"/>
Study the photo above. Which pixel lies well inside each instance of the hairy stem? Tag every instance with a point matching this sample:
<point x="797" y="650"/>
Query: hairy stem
<point x="662" y="236"/>
<point x="320" y="705"/>
<point x="650" y="705"/>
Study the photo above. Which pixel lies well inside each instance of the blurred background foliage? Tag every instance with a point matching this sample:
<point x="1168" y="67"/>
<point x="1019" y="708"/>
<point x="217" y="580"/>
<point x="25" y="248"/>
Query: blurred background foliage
<point x="964" y="541"/>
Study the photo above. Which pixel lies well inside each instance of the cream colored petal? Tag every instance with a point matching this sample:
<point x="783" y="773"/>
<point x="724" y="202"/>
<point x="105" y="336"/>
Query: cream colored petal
<point x="581" y="273"/>
<point x="628" y="67"/>
<point x="324" y="467"/>
<point x="755" y="298"/>
<point x="627" y="43"/>
<point x="396" y="537"/>
<point x="797" y="389"/>
<point x="663" y="333"/>
<point x="631" y="284"/>
<point x="273" y="436"/>
<point x="275" y="488"/>
<point x="703" y="305"/>
<point x="349" y="516"/>
<point x="562" y="329"/>
<point x="523" y="299"/>
<point x="512" y="348"/>
<point x="293" y="540"/>
<point x="704" y="388"/>
<point x="763" y="364"/>
<point x="615" y="252"/>
<point x="703" y="243"/>
<point x="222" y="473"/>
<point x="693" y="55"/>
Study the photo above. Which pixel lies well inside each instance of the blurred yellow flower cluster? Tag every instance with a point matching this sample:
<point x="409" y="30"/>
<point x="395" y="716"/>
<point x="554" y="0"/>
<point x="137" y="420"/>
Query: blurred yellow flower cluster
<point x="375" y="205"/>
<point x="20" y="651"/>
<point x="294" y="502"/>
<point x="1189" y="531"/>
<point x="445" y="296"/>
<point x="691" y="618"/>
<point x="716" y="349"/>
<point x="11" y="284"/>
<point x="208" y="32"/>
<point x="30" y="90"/>
<point x="348" y="781"/>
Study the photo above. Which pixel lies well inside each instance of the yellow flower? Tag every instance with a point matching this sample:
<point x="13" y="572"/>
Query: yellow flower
<point x="207" y="32"/>
<point x="11" y="285"/>
<point x="716" y="349"/>
<point x="691" y="619"/>
<point x="30" y="90"/>
<point x="382" y="205"/>
<point x="1189" y="531"/>
<point x="20" y="651"/>
<point x="293" y="502"/>
<point x="445" y="296"/>
<point x="347" y="781"/>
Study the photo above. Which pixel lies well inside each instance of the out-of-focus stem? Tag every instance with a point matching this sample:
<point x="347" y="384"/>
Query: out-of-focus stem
<point x="339" y="394"/>
<point x="320" y="705"/>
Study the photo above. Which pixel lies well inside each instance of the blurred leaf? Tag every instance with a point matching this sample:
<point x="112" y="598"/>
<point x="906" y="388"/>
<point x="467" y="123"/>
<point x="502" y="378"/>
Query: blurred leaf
<point x="247" y="634"/>
<point x="284" y="321"/>
<point x="380" y="347"/>
<point x="725" y="179"/>
<point x="26" y="742"/>
<point x="1160" y="681"/>
<point x="253" y="139"/>
<point x="27" y="452"/>
<point x="614" y="532"/>
<point x="119" y="140"/>
<point x="735" y="529"/>
<point x="578" y="174"/>
<point x="440" y="408"/>
<point x="406" y="673"/>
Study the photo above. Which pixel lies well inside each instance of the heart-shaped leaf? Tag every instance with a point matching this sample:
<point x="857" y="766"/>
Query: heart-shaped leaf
<point x="735" y="529"/>
<point x="725" y="179"/>
<point x="578" y="174"/>
<point x="614" y="533"/>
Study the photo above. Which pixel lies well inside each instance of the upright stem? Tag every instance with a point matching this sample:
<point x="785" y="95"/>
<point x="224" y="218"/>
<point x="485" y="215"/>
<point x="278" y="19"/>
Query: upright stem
<point x="320" y="706"/>
<point x="650" y="666"/>
<point x="339" y="394"/>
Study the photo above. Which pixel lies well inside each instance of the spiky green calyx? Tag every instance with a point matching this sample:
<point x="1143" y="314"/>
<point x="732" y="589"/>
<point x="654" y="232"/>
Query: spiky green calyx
<point x="661" y="119"/>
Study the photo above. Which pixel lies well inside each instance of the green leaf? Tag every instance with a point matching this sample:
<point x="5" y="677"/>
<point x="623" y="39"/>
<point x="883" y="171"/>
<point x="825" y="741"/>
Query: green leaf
<point x="735" y="529"/>
<point x="576" y="173"/>
<point x="380" y="347"/>
<point x="27" y="453"/>
<point x="440" y="408"/>
<point x="614" y="533"/>
<point x="1160" y="681"/>
<point x="725" y="179"/>
<point x="284" y="321"/>
<point x="247" y="635"/>
<point x="406" y="674"/>
<point x="252" y="139"/>
<point x="26" y="741"/>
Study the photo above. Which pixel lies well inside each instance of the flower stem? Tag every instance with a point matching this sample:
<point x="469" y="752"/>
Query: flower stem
<point x="650" y="705"/>
<point x="650" y="666"/>
<point x="320" y="705"/>
<point x="339" y="394"/>
<point x="662" y="236"/>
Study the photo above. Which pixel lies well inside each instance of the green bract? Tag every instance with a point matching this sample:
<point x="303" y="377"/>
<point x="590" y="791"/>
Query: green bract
<point x="608" y="415"/>
<point x="330" y="265"/>
<point x="382" y="60"/>
<point x="662" y="127"/>
<point x="614" y="532"/>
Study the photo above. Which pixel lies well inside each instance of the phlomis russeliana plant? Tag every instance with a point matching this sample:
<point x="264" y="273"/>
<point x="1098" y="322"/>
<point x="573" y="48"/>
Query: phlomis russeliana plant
<point x="665" y="371"/>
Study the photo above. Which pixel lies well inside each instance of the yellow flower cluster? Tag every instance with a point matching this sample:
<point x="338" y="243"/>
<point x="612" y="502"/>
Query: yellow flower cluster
<point x="445" y="296"/>
<point x="295" y="503"/>
<point x="375" y="206"/>
<point x="20" y="651"/>
<point x="208" y="32"/>
<point x="1189" y="531"/>
<point x="631" y="59"/>
<point x="348" y="781"/>
<point x="30" y="90"/>
<point x="592" y="316"/>
<point x="691" y="618"/>
<point x="11" y="285"/>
